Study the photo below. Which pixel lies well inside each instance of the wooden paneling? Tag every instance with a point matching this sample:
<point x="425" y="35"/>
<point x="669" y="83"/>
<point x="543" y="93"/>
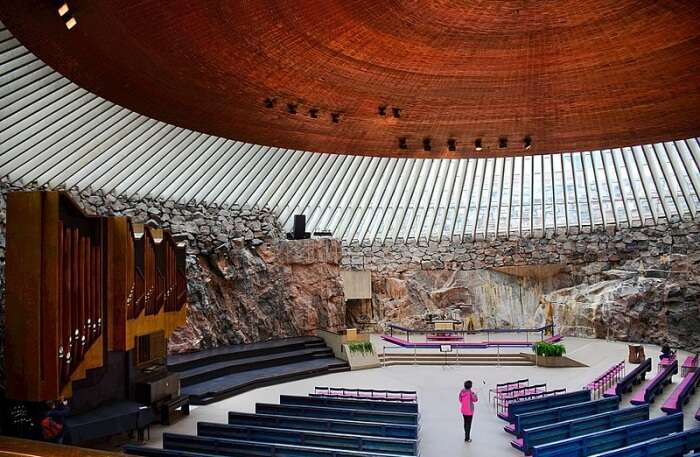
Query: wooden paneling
<point x="25" y="448"/>
<point x="573" y="74"/>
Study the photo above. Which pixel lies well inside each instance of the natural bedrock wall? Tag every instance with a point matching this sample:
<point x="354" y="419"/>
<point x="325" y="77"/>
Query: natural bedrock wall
<point x="506" y="281"/>
<point x="245" y="283"/>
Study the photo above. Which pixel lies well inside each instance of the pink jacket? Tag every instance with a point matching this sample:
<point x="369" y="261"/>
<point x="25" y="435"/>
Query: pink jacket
<point x="467" y="398"/>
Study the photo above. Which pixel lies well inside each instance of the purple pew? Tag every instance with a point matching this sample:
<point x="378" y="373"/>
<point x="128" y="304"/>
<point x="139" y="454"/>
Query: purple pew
<point x="680" y="395"/>
<point x="549" y="393"/>
<point x="690" y="364"/>
<point x="656" y="385"/>
<point x="607" y="379"/>
<point x="635" y="376"/>
<point x="508" y="385"/>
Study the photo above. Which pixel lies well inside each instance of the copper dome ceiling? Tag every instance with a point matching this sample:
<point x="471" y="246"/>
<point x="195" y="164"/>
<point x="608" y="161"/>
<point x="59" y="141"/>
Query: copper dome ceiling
<point x="568" y="74"/>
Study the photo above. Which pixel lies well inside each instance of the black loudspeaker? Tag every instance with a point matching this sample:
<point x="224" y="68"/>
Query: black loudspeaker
<point x="299" y="226"/>
<point x="161" y="387"/>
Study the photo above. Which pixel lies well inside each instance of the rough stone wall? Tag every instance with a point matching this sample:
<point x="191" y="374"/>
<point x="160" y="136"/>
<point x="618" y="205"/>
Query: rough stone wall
<point x="502" y="281"/>
<point x="244" y="282"/>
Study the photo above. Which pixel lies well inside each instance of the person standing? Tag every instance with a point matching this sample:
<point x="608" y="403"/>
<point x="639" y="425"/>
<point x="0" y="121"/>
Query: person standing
<point x="467" y="398"/>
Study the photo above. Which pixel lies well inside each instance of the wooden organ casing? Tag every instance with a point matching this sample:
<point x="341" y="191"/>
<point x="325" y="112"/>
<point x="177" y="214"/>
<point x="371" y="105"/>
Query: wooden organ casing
<point x="79" y="286"/>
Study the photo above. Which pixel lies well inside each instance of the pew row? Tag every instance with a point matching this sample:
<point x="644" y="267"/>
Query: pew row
<point x="347" y="403"/>
<point x="681" y="394"/>
<point x="366" y="394"/>
<point x="611" y="439"/>
<point x="689" y="364"/>
<point x="508" y="385"/>
<point x="634" y="377"/>
<point x="656" y="385"/>
<point x="607" y="379"/>
<point x="561" y="413"/>
<point x="583" y="426"/>
<point x="537" y="404"/>
<point x="308" y="438"/>
<point x="502" y="406"/>
<point x="325" y="425"/>
<point x="671" y="445"/>
<point x="228" y="447"/>
<point x="337" y="413"/>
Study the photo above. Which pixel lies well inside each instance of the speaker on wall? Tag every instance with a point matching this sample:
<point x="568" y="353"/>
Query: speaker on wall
<point x="299" y="231"/>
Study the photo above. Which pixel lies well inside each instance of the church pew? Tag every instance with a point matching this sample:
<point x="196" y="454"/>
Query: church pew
<point x="561" y="413"/>
<point x="132" y="449"/>
<point x="577" y="427"/>
<point x="632" y="378"/>
<point x="338" y="413"/>
<point x="325" y="425"/>
<point x="390" y="406"/>
<point x="235" y="448"/>
<point x="527" y="406"/>
<point x="689" y="364"/>
<point x="308" y="438"/>
<point x="502" y="406"/>
<point x="367" y="394"/>
<point x="671" y="445"/>
<point x="614" y="438"/>
<point x="656" y="385"/>
<point x="606" y="379"/>
<point x="680" y="395"/>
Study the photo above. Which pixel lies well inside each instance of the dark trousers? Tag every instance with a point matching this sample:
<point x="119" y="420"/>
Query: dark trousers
<point x="467" y="426"/>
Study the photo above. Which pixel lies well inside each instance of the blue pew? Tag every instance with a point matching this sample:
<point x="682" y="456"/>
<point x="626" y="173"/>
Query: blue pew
<point x="335" y="413"/>
<point x="537" y="404"/>
<point x="667" y="446"/>
<point x="307" y="438"/>
<point x="581" y="426"/>
<point x="614" y="438"/>
<point x="390" y="406"/>
<point x="561" y="413"/>
<point x="632" y="378"/>
<point x="132" y="449"/>
<point x="325" y="425"/>
<point x="205" y="445"/>
<point x="656" y="385"/>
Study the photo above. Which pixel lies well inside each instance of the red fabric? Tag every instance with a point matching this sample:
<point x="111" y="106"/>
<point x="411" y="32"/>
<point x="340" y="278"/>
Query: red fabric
<point x="50" y="429"/>
<point x="467" y="398"/>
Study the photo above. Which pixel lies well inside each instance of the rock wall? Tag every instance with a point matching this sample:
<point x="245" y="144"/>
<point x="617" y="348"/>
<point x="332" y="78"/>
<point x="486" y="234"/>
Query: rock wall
<point x="244" y="282"/>
<point x="654" y="300"/>
<point x="503" y="281"/>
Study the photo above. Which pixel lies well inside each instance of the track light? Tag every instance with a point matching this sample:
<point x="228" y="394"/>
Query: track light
<point x="503" y="142"/>
<point x="335" y="118"/>
<point x="452" y="144"/>
<point x="426" y="144"/>
<point x="269" y="102"/>
<point x="63" y="9"/>
<point x="313" y="112"/>
<point x="291" y="108"/>
<point x="382" y="110"/>
<point x="70" y="21"/>
<point x="477" y="144"/>
<point x="527" y="142"/>
<point x="397" y="112"/>
<point x="402" y="143"/>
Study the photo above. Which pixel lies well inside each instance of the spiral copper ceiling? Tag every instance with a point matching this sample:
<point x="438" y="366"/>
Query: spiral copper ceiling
<point x="327" y="75"/>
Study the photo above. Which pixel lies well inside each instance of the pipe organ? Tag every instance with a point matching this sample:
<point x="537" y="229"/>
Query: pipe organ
<point x="80" y="286"/>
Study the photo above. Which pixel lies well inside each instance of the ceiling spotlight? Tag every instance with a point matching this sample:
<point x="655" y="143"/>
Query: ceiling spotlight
<point x="63" y="9"/>
<point x="402" y="143"/>
<point x="335" y="118"/>
<point x="313" y="112"/>
<point x="452" y="144"/>
<point x="397" y="112"/>
<point x="426" y="144"/>
<point x="527" y="142"/>
<point x="269" y="102"/>
<point x="503" y="142"/>
<point x="291" y="108"/>
<point x="477" y="144"/>
<point x="382" y="110"/>
<point x="70" y="21"/>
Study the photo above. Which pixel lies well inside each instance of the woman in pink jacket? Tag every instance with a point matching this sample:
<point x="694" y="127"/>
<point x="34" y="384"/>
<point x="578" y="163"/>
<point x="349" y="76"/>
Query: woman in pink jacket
<point x="467" y="398"/>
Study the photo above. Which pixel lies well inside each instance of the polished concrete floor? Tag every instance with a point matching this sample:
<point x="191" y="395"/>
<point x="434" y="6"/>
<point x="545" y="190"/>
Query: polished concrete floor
<point x="441" y="424"/>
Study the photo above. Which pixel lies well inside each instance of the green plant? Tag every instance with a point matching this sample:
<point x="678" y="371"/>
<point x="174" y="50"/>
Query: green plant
<point x="362" y="347"/>
<point x="544" y="349"/>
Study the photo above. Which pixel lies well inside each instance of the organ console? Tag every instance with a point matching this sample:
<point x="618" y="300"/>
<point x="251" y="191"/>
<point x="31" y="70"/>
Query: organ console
<point x="80" y="288"/>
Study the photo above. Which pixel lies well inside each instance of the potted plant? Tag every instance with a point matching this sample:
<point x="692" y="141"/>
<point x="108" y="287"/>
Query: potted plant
<point x="551" y="355"/>
<point x="361" y="347"/>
